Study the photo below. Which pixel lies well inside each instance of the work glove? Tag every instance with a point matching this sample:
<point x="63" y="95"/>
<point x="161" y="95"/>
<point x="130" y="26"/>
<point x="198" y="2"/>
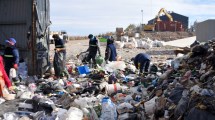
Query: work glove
<point x="11" y="89"/>
<point x="15" y="66"/>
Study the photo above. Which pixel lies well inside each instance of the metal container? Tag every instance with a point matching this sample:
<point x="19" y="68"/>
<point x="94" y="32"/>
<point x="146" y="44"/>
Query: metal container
<point x="205" y="30"/>
<point x="176" y="17"/>
<point x="168" y="26"/>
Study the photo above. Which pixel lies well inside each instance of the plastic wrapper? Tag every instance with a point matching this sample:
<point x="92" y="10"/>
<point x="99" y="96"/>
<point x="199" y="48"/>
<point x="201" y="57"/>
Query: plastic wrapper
<point x="10" y="116"/>
<point x="2" y="100"/>
<point x="150" y="106"/>
<point x="124" y="107"/>
<point x="23" y="70"/>
<point x="115" y="65"/>
<point x="73" y="114"/>
<point x="32" y="87"/>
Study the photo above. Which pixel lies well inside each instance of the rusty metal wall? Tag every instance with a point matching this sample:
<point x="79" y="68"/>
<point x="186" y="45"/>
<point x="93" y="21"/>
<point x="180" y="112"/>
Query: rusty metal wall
<point x="205" y="30"/>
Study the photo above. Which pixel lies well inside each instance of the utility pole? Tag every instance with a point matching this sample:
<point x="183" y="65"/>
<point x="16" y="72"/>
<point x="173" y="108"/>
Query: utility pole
<point x="142" y="20"/>
<point x="142" y="16"/>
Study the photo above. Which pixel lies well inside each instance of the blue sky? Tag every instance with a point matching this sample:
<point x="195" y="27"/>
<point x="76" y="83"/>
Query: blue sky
<point x="82" y="17"/>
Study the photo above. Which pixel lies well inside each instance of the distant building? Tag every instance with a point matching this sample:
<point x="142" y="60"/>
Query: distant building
<point x="176" y="17"/>
<point x="205" y="30"/>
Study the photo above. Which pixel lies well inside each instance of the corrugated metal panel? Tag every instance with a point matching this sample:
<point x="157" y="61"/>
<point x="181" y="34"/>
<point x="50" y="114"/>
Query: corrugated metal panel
<point x="205" y="30"/>
<point x="15" y="22"/>
<point x="42" y="43"/>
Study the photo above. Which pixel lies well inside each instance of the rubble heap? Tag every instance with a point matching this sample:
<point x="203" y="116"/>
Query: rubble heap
<point x="183" y="88"/>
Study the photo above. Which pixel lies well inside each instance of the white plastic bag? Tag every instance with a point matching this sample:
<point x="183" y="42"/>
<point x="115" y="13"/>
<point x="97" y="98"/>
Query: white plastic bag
<point x="10" y="116"/>
<point x="124" y="39"/>
<point x="60" y="113"/>
<point x="32" y="87"/>
<point x="12" y="73"/>
<point x="129" y="45"/>
<point x="2" y="100"/>
<point x="26" y="95"/>
<point x="131" y="67"/>
<point x="119" y="44"/>
<point x="124" y="107"/>
<point x="115" y="65"/>
<point x="73" y="114"/>
<point x="150" y="106"/>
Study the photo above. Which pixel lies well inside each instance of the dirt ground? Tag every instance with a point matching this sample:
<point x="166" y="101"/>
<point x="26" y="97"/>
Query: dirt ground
<point x="167" y="36"/>
<point x="76" y="46"/>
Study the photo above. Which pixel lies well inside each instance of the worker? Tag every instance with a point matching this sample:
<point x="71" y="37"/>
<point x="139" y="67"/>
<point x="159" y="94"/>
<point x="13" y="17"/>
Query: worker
<point x="142" y="61"/>
<point x="93" y="48"/>
<point x="4" y="82"/>
<point x="110" y="52"/>
<point x="11" y="55"/>
<point x="59" y="57"/>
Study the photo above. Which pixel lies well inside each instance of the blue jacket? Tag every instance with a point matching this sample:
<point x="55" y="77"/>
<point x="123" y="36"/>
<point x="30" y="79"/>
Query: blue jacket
<point x="110" y="53"/>
<point x="14" y="53"/>
<point x="143" y="59"/>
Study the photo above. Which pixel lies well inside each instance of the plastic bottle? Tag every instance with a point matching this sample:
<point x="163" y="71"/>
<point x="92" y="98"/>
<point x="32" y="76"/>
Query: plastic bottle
<point x="108" y="110"/>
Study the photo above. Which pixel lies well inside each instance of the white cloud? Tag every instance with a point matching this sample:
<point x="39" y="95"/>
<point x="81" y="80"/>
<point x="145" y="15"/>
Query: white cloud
<point x="96" y="16"/>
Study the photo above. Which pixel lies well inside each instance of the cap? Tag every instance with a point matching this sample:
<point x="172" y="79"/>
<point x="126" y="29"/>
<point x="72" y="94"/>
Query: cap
<point x="90" y="36"/>
<point x="11" y="40"/>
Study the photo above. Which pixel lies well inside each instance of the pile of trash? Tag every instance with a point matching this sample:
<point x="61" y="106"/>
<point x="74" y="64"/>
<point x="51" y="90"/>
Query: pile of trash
<point x="183" y="88"/>
<point x="132" y="42"/>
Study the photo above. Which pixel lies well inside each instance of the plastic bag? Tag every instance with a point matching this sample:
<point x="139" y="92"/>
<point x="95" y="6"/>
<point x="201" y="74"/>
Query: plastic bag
<point x="119" y="44"/>
<point x="2" y="100"/>
<point x="12" y="73"/>
<point x="124" y="38"/>
<point x="23" y="70"/>
<point x="108" y="110"/>
<point x="10" y="116"/>
<point x="32" y="87"/>
<point x="60" y="113"/>
<point x="150" y="106"/>
<point x="26" y="95"/>
<point x="73" y="114"/>
<point x="124" y="107"/>
<point x="130" y="45"/>
<point x="115" y="65"/>
<point x="99" y="60"/>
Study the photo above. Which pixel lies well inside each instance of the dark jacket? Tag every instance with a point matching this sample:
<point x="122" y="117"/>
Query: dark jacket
<point x="93" y="46"/>
<point x="59" y="43"/>
<point x="11" y="57"/>
<point x="110" y="53"/>
<point x="144" y="60"/>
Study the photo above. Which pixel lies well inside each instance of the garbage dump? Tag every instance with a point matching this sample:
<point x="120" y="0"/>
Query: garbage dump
<point x="181" y="89"/>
